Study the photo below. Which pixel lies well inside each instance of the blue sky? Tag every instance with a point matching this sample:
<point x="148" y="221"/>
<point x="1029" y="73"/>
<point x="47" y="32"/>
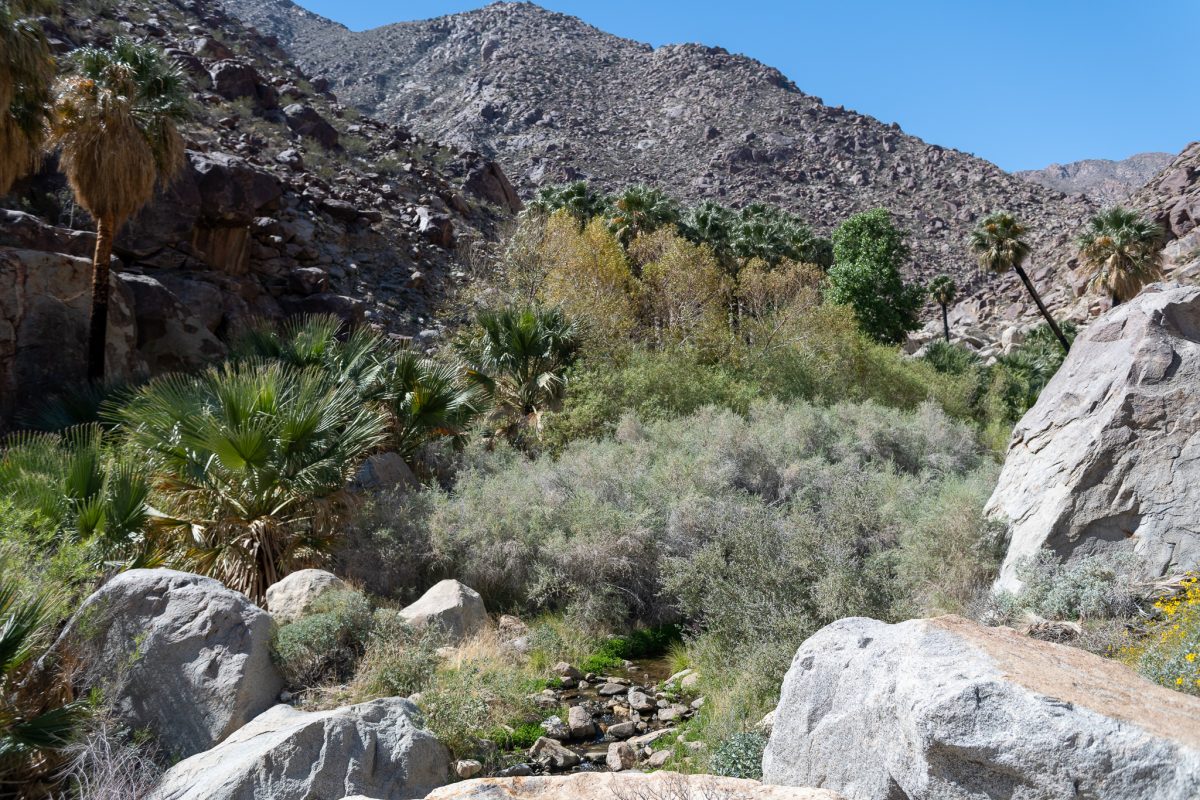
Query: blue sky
<point x="1023" y="83"/>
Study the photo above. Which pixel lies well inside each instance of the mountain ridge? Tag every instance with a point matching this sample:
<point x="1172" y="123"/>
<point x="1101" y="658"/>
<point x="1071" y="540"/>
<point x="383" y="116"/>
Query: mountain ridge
<point x="1106" y="181"/>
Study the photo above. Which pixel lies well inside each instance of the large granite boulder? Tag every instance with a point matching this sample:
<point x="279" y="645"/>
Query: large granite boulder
<point x="612" y="786"/>
<point x="297" y="594"/>
<point x="305" y="121"/>
<point x="1109" y="457"/>
<point x="170" y="338"/>
<point x="174" y="653"/>
<point x="45" y="304"/>
<point x="455" y="608"/>
<point x="947" y="708"/>
<point x="375" y="749"/>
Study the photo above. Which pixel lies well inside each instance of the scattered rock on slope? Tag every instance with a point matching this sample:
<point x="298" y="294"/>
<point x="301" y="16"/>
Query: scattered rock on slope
<point x="377" y="749"/>
<point x="1109" y="457"/>
<point x="176" y="653"/>
<point x="946" y="708"/>
<point x="457" y="609"/>
<point x="1103" y="180"/>
<point x="608" y="786"/>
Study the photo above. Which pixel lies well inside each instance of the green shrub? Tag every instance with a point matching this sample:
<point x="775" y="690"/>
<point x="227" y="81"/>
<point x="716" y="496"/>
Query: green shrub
<point x="641" y="643"/>
<point x="1092" y="587"/>
<point x="739" y="756"/>
<point x="398" y="660"/>
<point x="1169" y="651"/>
<point x="324" y="646"/>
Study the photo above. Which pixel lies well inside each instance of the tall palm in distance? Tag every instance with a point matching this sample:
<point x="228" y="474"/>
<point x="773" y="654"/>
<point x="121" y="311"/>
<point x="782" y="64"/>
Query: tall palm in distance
<point x="114" y="118"/>
<point x="26" y="75"/>
<point x="1123" y="250"/>
<point x="943" y="290"/>
<point x="999" y="245"/>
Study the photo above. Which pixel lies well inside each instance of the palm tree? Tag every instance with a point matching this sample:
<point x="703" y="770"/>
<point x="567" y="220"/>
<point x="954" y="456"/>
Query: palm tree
<point x="943" y="291"/>
<point x="248" y="464"/>
<point x="578" y="199"/>
<point x="114" y="119"/>
<point x="1123" y="250"/>
<point x="36" y="721"/>
<point x="425" y="400"/>
<point x="518" y="359"/>
<point x="638" y="210"/>
<point x="998" y="244"/>
<point x="26" y="73"/>
<point x="355" y="356"/>
<point x="712" y="224"/>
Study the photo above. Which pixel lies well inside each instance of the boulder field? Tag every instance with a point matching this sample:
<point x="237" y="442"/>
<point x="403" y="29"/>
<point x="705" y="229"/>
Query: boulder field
<point x="947" y="708"/>
<point x="1108" y="459"/>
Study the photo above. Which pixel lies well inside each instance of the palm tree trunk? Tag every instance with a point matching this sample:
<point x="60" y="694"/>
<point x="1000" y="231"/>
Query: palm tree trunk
<point x="1116" y="301"/>
<point x="945" y="323"/>
<point x="1066" y="346"/>
<point x="98" y="325"/>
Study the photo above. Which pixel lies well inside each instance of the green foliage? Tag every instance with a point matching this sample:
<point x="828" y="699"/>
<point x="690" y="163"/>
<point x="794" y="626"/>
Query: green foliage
<point x="326" y="644"/>
<point x="640" y="644"/>
<point x="518" y="359"/>
<point x="1169" y="651"/>
<point x="869" y="251"/>
<point x="398" y="661"/>
<point x="943" y="290"/>
<point x="36" y="720"/>
<point x="578" y="199"/>
<point x="999" y="242"/>
<point x="249" y="463"/>
<point x="739" y="756"/>
<point x="425" y="400"/>
<point x="1123" y="250"/>
<point x="951" y="359"/>
<point x="1092" y="587"/>
<point x="639" y="210"/>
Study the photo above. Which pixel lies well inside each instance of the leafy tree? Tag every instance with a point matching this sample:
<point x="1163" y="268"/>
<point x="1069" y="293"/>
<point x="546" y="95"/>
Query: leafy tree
<point x="943" y="290"/>
<point x="639" y="210"/>
<point x="248" y="464"/>
<point x="348" y="355"/>
<point x="518" y="358"/>
<point x="869" y="251"/>
<point x="115" y="120"/>
<point x="578" y="199"/>
<point x="26" y="74"/>
<point x="999" y="245"/>
<point x="684" y="290"/>
<point x="1123" y="250"/>
<point x="590" y="278"/>
<point x="37" y="721"/>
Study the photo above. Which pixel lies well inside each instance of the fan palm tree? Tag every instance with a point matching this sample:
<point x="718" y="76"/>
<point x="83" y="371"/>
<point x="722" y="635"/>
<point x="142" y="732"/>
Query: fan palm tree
<point x="26" y="74"/>
<point x="1123" y="250"/>
<point x="36" y="721"/>
<point x="425" y="400"/>
<point x="578" y="199"/>
<point x="355" y="356"/>
<point x="943" y="290"/>
<point x="114" y="119"/>
<point x="999" y="245"/>
<point x="518" y="359"/>
<point x="638" y="210"/>
<point x="711" y="224"/>
<point x="248" y="464"/>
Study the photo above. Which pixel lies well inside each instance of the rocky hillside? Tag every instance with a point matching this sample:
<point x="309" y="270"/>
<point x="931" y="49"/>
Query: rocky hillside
<point x="1172" y="199"/>
<point x="289" y="202"/>
<point x="554" y="99"/>
<point x="1104" y="181"/>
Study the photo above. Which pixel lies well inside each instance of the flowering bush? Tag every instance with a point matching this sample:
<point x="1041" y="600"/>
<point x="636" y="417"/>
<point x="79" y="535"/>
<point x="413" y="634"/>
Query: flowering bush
<point x="1170" y="653"/>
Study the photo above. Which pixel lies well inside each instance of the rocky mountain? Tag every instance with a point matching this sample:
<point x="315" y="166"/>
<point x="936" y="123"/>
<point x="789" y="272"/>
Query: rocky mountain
<point x="1104" y="181"/>
<point x="289" y="202"/>
<point x="1172" y="199"/>
<point x="553" y="99"/>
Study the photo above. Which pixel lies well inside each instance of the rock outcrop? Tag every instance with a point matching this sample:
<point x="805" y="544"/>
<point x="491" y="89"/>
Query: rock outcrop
<point x="634" y="786"/>
<point x="174" y="653"/>
<point x="1109" y="457"/>
<point x="946" y="708"/>
<point x="375" y="749"/>
<point x="1172" y="199"/>
<point x="296" y="595"/>
<point x="449" y="605"/>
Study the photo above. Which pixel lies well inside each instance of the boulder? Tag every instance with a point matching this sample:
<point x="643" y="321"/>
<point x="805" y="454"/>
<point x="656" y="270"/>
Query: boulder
<point x="170" y="338"/>
<point x="306" y="122"/>
<point x="295" y="595"/>
<point x="232" y="191"/>
<point x="175" y="653"/>
<point x="487" y="181"/>
<point x="551" y="754"/>
<point x="385" y="471"/>
<point x="947" y="708"/>
<point x="436" y="226"/>
<point x="234" y="79"/>
<point x="612" y="786"/>
<point x="45" y="305"/>
<point x="23" y="231"/>
<point x="456" y="609"/>
<point x="376" y="749"/>
<point x="620" y="757"/>
<point x="580" y="723"/>
<point x="1108" y="459"/>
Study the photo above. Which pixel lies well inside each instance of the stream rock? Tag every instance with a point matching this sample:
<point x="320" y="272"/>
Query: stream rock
<point x="552" y="754"/>
<point x="377" y="749"/>
<point x="946" y="708"/>
<point x="175" y="653"/>
<point x="1108" y="459"/>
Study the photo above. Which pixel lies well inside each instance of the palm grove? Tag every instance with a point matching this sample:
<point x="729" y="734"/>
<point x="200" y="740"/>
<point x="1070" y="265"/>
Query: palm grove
<point x="614" y="328"/>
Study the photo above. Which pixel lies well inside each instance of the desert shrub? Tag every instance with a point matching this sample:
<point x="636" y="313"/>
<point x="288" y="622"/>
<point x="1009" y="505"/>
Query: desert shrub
<point x="399" y="660"/>
<point x="739" y="756"/>
<point x="1169" y="652"/>
<point x="1091" y="587"/>
<point x="107" y="763"/>
<point x="386" y="548"/>
<point x="324" y="646"/>
<point x="952" y="359"/>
